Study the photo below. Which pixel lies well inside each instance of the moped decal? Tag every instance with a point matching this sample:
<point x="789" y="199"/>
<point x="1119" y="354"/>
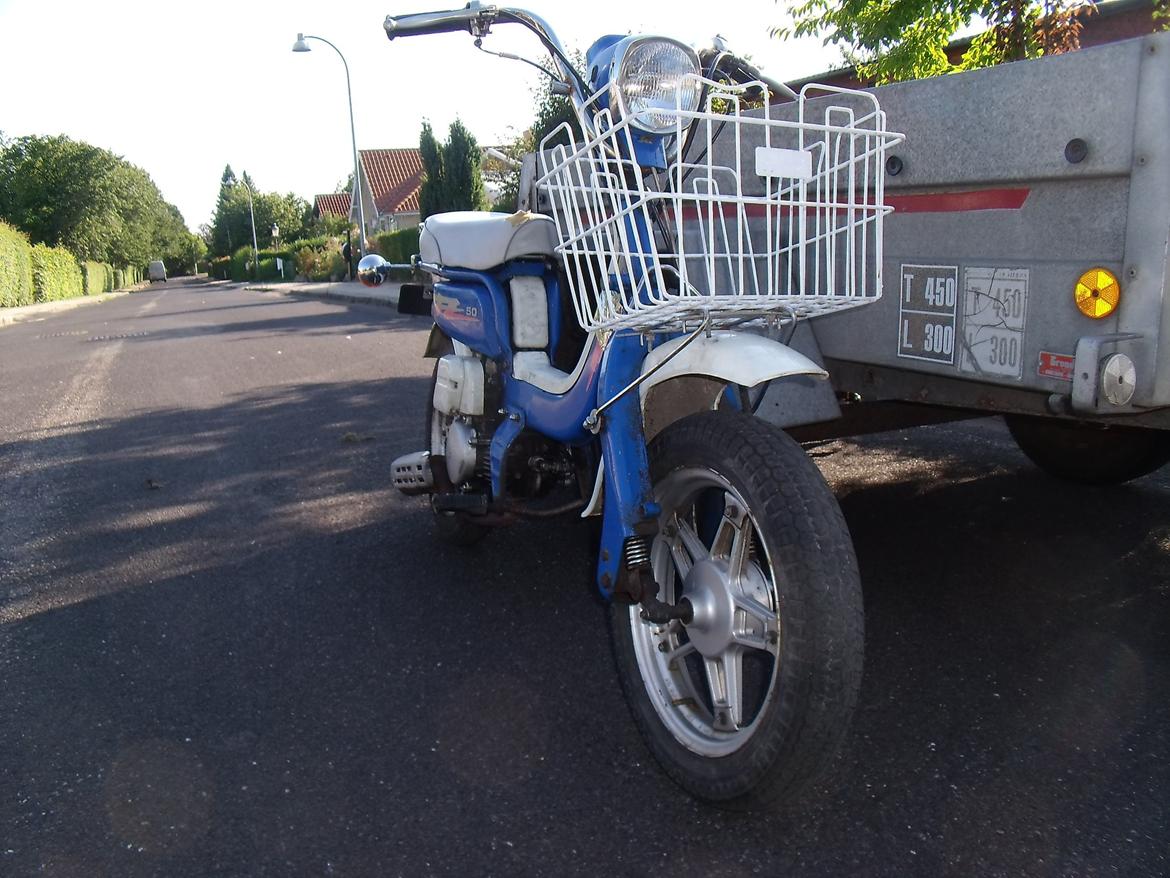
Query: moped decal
<point x="452" y="309"/>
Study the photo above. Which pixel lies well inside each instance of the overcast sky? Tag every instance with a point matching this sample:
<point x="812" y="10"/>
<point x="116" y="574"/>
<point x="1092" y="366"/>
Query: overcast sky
<point x="182" y="89"/>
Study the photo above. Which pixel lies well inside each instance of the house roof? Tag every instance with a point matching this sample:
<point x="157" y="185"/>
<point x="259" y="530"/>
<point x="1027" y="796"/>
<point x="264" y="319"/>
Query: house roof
<point x="394" y="177"/>
<point x="332" y="204"/>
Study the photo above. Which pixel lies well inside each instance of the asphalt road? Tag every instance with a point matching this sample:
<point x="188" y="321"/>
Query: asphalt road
<point x="227" y="648"/>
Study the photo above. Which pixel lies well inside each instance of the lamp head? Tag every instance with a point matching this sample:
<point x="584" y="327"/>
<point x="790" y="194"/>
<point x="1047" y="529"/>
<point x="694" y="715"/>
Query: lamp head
<point x="300" y="45"/>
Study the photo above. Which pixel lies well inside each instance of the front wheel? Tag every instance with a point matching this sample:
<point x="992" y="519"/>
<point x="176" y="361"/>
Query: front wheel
<point x="747" y="703"/>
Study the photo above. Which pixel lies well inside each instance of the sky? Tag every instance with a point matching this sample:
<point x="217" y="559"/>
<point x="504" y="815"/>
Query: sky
<point x="183" y="89"/>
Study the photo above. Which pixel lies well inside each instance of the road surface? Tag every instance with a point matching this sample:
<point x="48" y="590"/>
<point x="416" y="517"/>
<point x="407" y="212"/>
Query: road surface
<point x="228" y="648"/>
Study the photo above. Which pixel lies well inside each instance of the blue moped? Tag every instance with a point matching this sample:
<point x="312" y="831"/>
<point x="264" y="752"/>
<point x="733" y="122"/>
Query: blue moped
<point x="597" y="356"/>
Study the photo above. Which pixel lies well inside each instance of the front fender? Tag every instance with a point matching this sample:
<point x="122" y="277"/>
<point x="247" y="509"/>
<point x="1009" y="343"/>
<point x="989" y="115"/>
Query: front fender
<point x="721" y="358"/>
<point x="737" y="358"/>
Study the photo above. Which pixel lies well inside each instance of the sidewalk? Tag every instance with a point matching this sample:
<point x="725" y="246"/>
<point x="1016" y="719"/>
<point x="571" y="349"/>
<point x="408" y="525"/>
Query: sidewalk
<point x="43" y="309"/>
<point x="342" y="291"/>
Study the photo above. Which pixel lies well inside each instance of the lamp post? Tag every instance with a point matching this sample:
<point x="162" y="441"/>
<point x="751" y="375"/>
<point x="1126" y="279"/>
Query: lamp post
<point x="301" y="46"/>
<point x="255" y="247"/>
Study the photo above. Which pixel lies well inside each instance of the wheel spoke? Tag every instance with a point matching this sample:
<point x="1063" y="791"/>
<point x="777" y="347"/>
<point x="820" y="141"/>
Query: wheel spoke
<point x="760" y="628"/>
<point x="724" y="678"/>
<point x="661" y="556"/>
<point x="679" y="652"/>
<point x="689" y="540"/>
<point x="733" y="537"/>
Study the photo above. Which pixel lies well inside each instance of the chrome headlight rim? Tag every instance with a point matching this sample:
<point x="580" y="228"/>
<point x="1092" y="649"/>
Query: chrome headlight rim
<point x="620" y="73"/>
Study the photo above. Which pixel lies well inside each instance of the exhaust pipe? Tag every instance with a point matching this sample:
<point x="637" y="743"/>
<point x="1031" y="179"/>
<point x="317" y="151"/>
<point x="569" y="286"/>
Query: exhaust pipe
<point x="411" y="473"/>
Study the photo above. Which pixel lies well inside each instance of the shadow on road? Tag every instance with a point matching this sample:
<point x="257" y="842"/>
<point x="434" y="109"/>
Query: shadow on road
<point x="249" y="656"/>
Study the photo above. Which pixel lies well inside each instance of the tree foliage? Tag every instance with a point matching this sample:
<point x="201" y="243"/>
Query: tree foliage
<point x="65" y="193"/>
<point x="551" y="114"/>
<point x="891" y="40"/>
<point x="231" y="226"/>
<point x="452" y="178"/>
<point x="430" y="196"/>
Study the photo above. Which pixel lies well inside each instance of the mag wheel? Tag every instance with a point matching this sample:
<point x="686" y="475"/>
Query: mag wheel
<point x="748" y="702"/>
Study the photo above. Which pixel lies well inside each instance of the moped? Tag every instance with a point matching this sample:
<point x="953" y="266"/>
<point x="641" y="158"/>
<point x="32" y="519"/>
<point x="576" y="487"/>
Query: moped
<point x="599" y="357"/>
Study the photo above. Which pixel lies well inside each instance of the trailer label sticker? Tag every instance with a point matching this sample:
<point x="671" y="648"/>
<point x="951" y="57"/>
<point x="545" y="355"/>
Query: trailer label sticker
<point x="1059" y="366"/>
<point x="995" y="307"/>
<point x="928" y="301"/>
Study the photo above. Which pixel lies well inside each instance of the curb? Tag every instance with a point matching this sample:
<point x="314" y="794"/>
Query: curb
<point x="9" y="316"/>
<point x="389" y="299"/>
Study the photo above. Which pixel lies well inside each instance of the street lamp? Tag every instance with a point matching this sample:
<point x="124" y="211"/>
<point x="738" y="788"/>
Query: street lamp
<point x="275" y="231"/>
<point x="255" y="247"/>
<point x="301" y="46"/>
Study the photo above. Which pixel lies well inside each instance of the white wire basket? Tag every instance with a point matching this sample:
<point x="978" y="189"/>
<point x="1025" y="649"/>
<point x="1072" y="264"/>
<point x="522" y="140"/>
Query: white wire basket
<point x="775" y="209"/>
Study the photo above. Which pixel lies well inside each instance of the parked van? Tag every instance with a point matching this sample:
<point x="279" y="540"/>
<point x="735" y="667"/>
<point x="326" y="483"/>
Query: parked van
<point x="157" y="271"/>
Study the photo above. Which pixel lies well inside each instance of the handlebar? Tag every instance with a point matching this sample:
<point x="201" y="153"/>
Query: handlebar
<point x="448" y="21"/>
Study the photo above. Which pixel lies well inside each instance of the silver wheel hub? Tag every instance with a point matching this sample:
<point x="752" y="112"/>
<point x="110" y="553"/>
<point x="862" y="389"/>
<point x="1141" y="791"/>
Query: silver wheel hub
<point x="708" y="588"/>
<point x="696" y="674"/>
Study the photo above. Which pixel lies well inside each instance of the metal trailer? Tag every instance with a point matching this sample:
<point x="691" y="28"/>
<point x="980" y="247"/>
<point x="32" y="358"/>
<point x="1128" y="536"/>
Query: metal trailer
<point x="1012" y="183"/>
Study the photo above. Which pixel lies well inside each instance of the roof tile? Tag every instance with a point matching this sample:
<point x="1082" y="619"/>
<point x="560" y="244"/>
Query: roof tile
<point x="332" y="204"/>
<point x="395" y="176"/>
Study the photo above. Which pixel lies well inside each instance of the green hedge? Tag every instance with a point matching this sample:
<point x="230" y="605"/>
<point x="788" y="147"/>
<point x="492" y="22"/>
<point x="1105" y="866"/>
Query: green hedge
<point x="56" y="274"/>
<point x="97" y="277"/>
<point x="397" y="246"/>
<point x="16" y="274"/>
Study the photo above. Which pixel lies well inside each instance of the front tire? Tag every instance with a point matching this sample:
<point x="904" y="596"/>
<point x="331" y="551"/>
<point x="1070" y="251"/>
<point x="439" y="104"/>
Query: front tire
<point x="748" y="703"/>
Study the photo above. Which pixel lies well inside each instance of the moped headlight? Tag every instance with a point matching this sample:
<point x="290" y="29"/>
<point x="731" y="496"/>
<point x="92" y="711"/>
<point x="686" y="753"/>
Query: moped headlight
<point x="656" y="78"/>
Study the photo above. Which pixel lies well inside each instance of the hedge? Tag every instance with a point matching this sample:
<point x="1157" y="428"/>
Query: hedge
<point x="97" y="277"/>
<point x="55" y="274"/>
<point x="397" y="246"/>
<point x="16" y="274"/>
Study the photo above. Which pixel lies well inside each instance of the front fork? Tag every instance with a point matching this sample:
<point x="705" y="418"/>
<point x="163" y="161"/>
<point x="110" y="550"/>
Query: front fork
<point x="630" y="515"/>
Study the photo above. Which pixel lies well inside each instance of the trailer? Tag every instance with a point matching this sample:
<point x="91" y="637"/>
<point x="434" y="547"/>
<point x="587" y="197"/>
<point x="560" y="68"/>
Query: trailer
<point x="1025" y="269"/>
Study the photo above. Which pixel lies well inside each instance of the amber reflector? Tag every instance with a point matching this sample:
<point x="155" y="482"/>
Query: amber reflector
<point x="1097" y="293"/>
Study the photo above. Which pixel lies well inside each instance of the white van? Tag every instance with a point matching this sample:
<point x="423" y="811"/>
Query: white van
<point x="156" y="271"/>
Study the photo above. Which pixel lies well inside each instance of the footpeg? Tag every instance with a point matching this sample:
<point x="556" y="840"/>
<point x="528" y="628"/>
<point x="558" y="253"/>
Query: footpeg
<point x="411" y="473"/>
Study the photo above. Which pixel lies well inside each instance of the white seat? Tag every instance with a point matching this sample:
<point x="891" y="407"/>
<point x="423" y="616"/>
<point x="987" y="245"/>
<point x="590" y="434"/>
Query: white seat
<point x="479" y="240"/>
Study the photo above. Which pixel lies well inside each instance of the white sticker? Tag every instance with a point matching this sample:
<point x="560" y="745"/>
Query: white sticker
<point x="794" y="164"/>
<point x="995" y="308"/>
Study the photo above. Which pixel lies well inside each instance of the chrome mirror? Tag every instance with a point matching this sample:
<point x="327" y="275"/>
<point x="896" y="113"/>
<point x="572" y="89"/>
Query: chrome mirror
<point x="372" y="270"/>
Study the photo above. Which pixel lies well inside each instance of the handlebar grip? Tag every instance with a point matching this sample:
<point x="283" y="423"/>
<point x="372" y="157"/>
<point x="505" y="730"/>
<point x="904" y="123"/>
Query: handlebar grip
<point x="420" y="23"/>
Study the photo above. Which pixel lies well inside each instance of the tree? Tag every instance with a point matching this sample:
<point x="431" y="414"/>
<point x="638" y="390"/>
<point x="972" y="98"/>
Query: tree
<point x="430" y="196"/>
<point x="452" y="177"/>
<point x="551" y="112"/>
<point x="891" y="40"/>
<point x="231" y="226"/>
<point x="66" y="193"/>
<point x="463" y="178"/>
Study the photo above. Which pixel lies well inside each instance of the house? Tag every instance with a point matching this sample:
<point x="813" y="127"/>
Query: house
<point x="390" y="181"/>
<point x="331" y="204"/>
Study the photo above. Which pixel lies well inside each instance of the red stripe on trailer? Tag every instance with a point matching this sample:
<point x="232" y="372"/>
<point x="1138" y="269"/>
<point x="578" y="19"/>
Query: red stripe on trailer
<point x="958" y="202"/>
<point x="934" y="202"/>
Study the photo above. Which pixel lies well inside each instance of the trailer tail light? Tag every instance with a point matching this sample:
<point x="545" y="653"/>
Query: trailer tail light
<point x="1097" y="293"/>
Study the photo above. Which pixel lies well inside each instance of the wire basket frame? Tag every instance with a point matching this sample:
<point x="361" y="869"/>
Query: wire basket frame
<point x="774" y="208"/>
